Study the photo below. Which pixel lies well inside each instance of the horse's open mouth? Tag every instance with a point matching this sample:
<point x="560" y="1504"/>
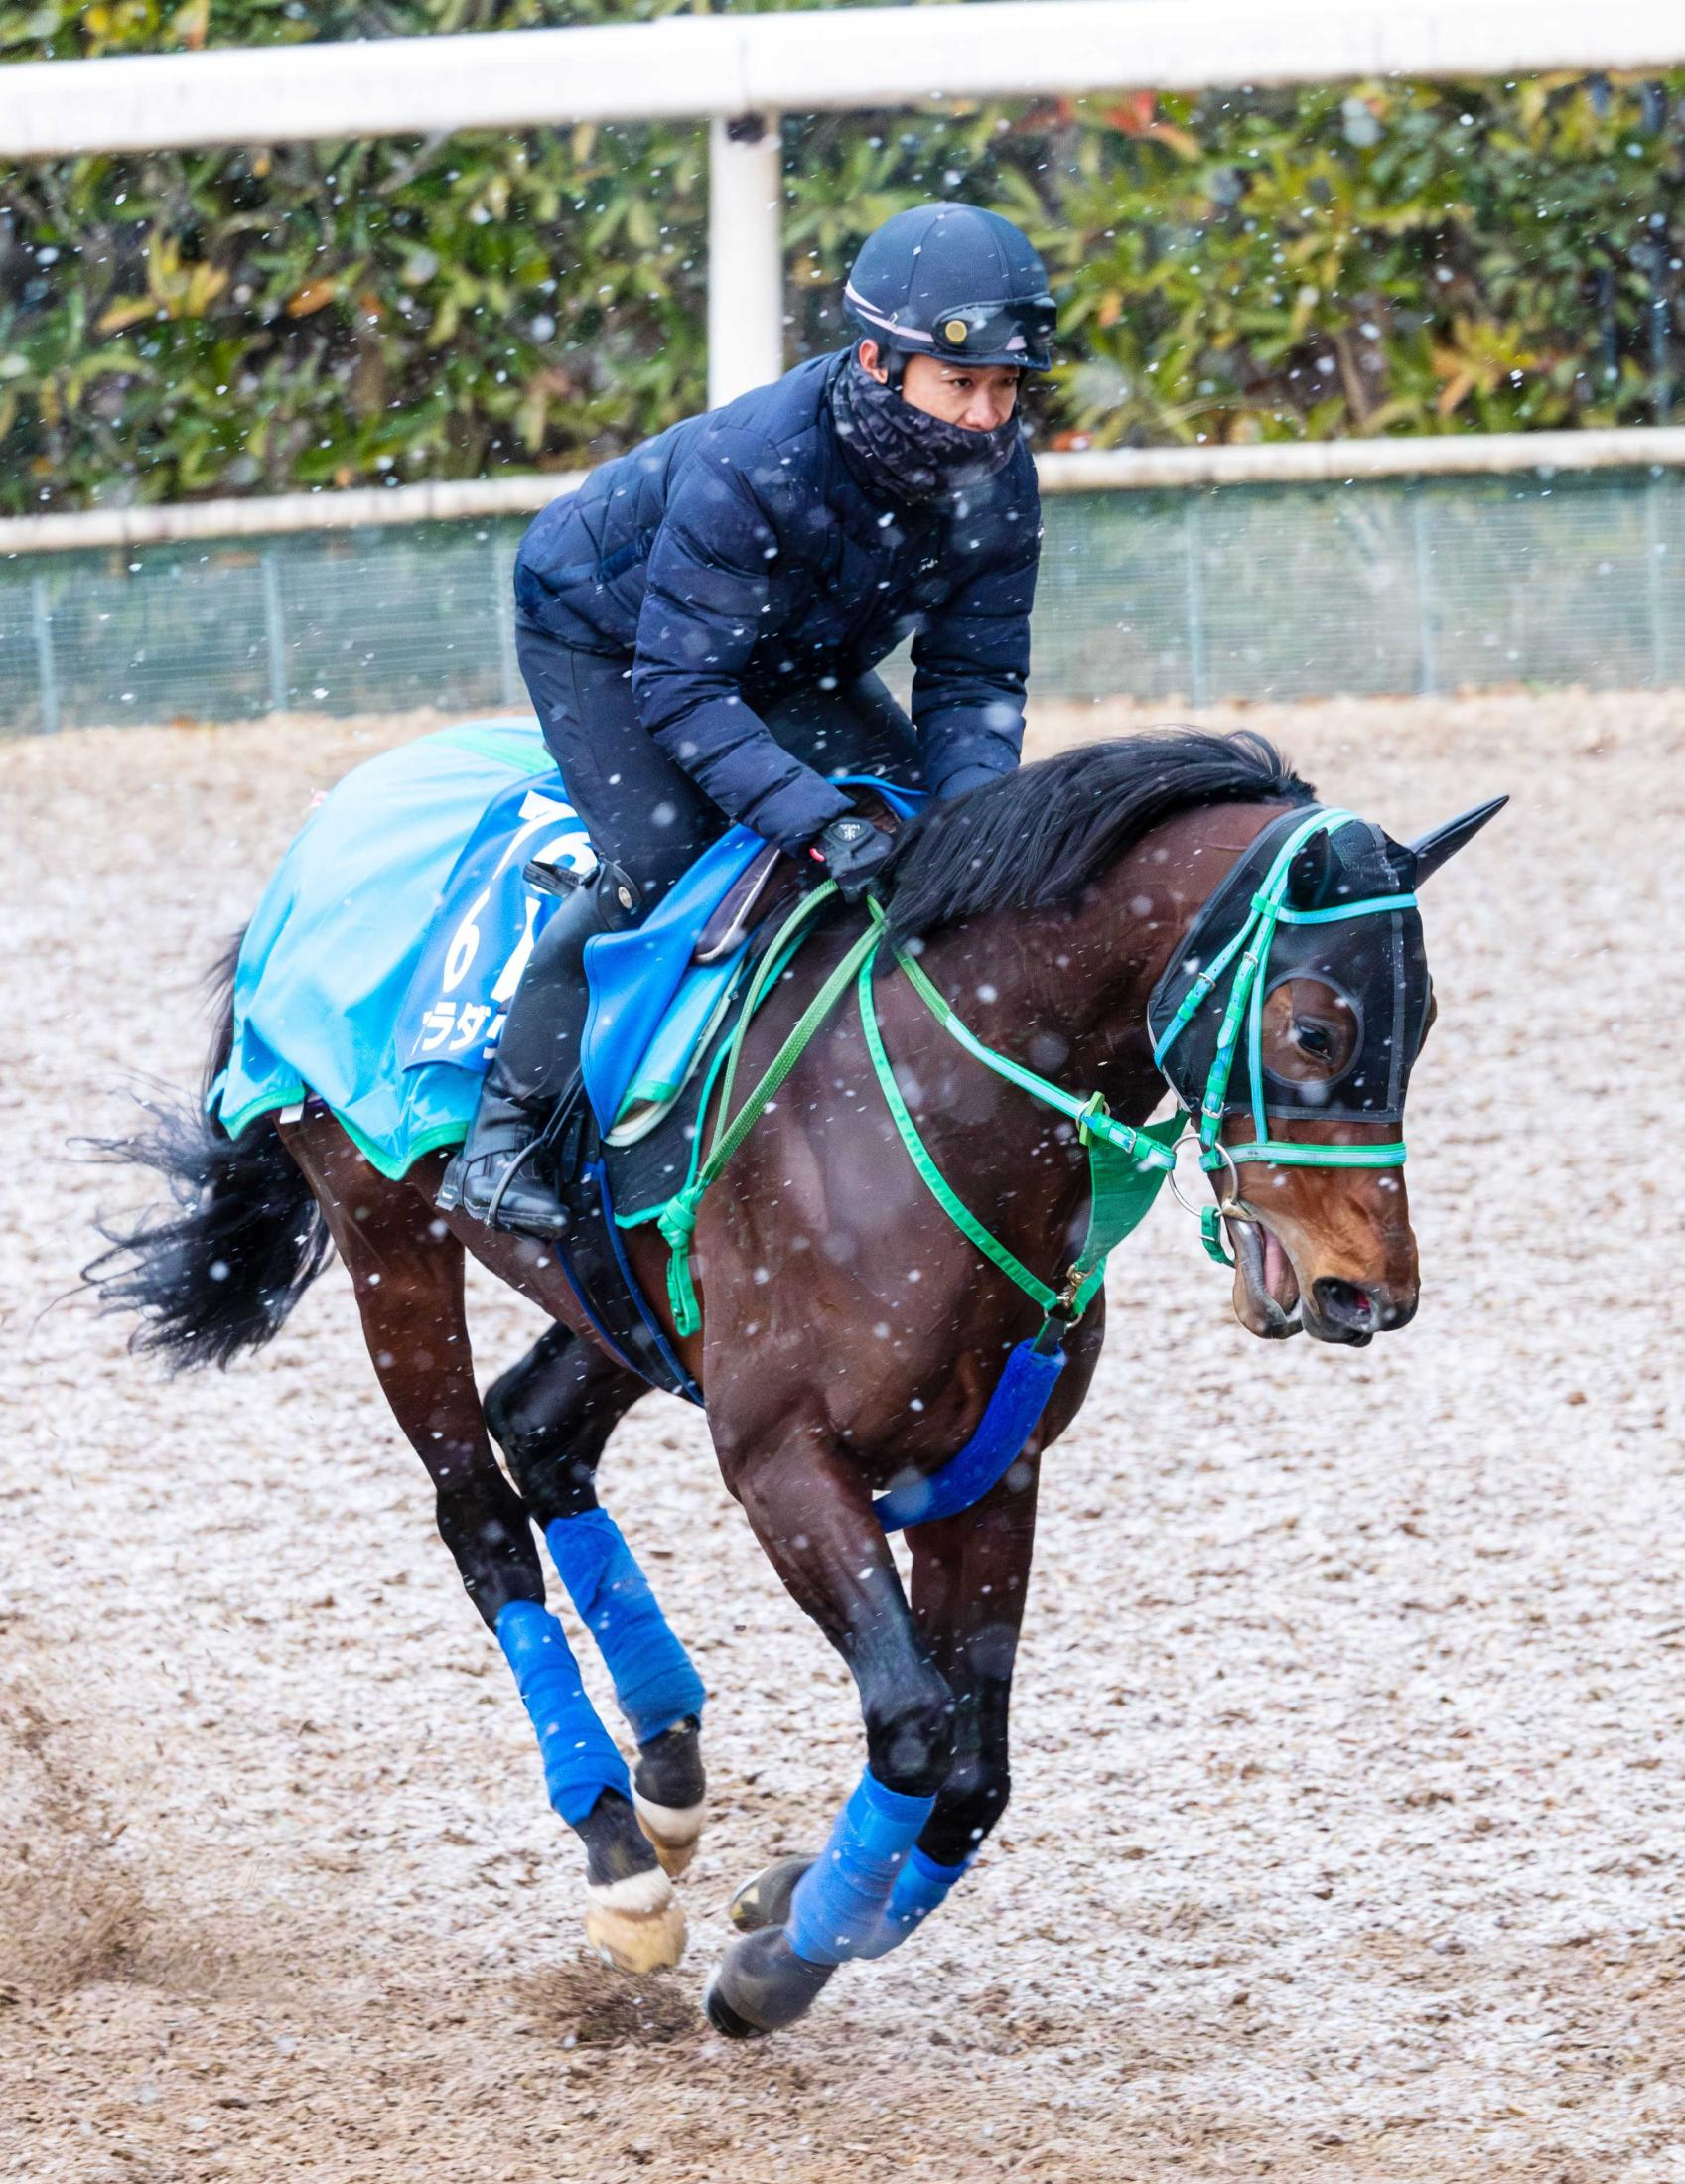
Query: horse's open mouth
<point x="1267" y="1303"/>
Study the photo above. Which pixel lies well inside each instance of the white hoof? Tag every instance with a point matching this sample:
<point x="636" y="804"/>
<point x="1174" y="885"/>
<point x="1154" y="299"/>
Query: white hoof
<point x="636" y="1925"/>
<point x="672" y="1829"/>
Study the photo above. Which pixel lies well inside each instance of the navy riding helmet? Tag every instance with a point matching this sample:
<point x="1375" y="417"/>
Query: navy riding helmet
<point x="954" y="282"/>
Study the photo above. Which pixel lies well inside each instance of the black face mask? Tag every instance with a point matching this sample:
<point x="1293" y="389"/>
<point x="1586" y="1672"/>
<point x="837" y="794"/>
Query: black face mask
<point x="1375" y="964"/>
<point x="902" y="453"/>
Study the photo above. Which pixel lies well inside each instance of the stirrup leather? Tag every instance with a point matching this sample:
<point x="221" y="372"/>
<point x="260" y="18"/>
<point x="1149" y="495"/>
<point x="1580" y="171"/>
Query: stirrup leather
<point x="560" y="1142"/>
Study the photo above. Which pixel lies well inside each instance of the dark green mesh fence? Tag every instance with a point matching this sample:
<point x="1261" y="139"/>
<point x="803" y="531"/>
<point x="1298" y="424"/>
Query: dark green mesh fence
<point x="1240" y="592"/>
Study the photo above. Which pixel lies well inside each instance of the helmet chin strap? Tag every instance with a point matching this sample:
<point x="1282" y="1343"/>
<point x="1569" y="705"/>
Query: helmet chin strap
<point x="891" y="361"/>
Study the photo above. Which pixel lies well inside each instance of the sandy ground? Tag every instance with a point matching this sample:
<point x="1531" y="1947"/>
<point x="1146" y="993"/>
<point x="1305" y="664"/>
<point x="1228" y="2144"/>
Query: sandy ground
<point x="1350" y="1718"/>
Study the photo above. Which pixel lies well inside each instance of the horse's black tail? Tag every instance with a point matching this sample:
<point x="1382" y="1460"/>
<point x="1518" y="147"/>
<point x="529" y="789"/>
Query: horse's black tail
<point x="217" y="1270"/>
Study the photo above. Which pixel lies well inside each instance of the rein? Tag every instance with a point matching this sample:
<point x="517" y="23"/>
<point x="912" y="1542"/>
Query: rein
<point x="1126" y="1166"/>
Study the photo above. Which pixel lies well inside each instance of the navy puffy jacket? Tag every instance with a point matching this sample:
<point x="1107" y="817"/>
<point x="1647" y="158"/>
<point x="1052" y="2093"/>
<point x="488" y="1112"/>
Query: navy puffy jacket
<point x="737" y="553"/>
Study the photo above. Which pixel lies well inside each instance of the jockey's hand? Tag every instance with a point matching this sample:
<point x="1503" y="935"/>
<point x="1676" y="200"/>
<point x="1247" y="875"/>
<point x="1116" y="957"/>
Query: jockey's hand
<point x="853" y="852"/>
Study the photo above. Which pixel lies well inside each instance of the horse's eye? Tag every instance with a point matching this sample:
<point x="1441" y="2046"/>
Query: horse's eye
<point x="1310" y="1032"/>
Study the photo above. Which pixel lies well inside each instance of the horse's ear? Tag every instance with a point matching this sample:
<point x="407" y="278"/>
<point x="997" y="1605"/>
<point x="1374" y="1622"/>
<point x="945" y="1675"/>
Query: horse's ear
<point x="1432" y="849"/>
<point x="1312" y="875"/>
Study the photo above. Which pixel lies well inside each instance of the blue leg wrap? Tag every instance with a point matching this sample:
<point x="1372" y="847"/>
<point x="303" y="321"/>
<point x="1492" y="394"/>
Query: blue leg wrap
<point x="921" y="1887"/>
<point x="839" y="1902"/>
<point x="580" y="1758"/>
<point x="654" y="1682"/>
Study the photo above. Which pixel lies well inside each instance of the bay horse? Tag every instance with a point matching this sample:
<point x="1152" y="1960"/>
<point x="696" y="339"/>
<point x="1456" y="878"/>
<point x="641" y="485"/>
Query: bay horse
<point x="849" y="1336"/>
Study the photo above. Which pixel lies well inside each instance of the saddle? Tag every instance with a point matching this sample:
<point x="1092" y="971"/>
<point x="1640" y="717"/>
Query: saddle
<point x="769" y="881"/>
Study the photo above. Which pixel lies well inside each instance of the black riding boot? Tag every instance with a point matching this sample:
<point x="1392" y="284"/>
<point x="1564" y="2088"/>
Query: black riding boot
<point x="500" y="1175"/>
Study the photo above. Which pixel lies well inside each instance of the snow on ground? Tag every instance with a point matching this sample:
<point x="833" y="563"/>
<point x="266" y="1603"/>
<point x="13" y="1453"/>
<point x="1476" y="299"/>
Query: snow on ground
<point x="1351" y="1719"/>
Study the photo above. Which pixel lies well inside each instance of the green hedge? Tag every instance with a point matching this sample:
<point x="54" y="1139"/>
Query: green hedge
<point x="1378" y="258"/>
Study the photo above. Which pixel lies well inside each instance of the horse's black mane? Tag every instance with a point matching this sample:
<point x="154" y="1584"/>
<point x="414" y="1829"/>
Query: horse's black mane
<point x="1036" y="837"/>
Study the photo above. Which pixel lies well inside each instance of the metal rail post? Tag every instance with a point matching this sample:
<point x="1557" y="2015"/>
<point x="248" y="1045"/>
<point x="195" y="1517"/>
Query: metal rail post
<point x="504" y="608"/>
<point x="745" y="258"/>
<point x="1655" y="592"/>
<point x="1196" y="590"/>
<point x="275" y="632"/>
<point x="1426" y="670"/>
<point x="46" y="671"/>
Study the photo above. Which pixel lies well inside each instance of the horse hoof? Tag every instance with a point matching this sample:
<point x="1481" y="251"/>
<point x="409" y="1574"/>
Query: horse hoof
<point x="672" y="1829"/>
<point x="636" y="1925"/>
<point x="764" y="1900"/>
<point x="761" y="1986"/>
<point x="722" y="2016"/>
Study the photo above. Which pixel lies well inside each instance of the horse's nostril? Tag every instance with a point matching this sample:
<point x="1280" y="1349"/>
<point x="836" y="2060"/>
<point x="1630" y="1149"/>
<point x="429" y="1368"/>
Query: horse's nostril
<point x="1345" y="1304"/>
<point x="1361" y="1311"/>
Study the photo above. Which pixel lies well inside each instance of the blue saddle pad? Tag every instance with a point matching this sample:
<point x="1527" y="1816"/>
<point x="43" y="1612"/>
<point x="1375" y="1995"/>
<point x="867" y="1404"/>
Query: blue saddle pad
<point x="377" y="967"/>
<point x="365" y="955"/>
<point x="636" y="978"/>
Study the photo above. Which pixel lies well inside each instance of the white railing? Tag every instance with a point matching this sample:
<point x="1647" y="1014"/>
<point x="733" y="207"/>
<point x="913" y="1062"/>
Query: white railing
<point x="799" y="63"/>
<point x="742" y="72"/>
<point x="1124" y="470"/>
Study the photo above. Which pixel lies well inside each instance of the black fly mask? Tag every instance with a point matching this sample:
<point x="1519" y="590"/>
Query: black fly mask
<point x="1324" y="896"/>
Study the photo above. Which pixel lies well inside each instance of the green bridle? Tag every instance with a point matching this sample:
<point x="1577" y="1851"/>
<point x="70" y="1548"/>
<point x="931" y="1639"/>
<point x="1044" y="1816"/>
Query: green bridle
<point x="1252" y="944"/>
<point x="1127" y="1164"/>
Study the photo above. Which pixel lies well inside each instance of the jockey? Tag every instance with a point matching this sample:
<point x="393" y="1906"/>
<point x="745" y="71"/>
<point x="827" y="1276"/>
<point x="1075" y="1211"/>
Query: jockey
<point x="698" y="625"/>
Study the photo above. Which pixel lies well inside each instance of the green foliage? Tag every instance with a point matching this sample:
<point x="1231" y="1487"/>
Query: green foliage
<point x="1382" y="258"/>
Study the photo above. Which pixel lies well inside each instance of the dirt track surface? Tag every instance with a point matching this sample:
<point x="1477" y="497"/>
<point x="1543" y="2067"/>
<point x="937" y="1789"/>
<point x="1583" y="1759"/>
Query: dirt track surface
<point x="1351" y="1722"/>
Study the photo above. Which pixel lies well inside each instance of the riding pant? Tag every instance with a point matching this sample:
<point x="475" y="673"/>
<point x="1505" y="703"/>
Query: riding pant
<point x="642" y="811"/>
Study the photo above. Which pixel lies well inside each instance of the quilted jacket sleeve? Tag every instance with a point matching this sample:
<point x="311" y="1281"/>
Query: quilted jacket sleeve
<point x="709" y="599"/>
<point x="971" y="661"/>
